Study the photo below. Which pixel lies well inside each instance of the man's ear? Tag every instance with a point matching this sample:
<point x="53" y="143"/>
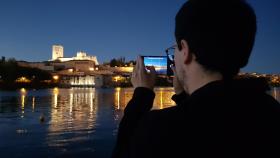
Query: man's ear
<point x="186" y="52"/>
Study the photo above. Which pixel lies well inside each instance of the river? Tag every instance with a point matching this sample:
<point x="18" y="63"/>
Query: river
<point x="76" y="122"/>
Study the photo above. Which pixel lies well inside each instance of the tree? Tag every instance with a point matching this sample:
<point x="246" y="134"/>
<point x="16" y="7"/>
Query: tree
<point x="3" y="59"/>
<point x="10" y="71"/>
<point x="117" y="62"/>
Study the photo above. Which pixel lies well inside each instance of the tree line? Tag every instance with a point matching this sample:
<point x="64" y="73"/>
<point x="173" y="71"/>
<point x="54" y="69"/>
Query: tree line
<point x="120" y="62"/>
<point x="10" y="71"/>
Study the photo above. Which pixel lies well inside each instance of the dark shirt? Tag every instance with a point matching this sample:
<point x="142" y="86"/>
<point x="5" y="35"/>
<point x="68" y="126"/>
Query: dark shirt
<point x="221" y="119"/>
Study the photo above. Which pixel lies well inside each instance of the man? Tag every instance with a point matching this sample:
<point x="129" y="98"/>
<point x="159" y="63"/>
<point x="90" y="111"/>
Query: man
<point x="217" y="115"/>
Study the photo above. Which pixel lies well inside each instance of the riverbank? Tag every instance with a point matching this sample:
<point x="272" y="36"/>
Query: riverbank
<point x="14" y="86"/>
<point x="160" y="82"/>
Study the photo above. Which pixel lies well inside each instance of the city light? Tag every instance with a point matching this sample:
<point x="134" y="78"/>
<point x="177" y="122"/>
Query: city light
<point x="117" y="78"/>
<point x="23" y="91"/>
<point x="55" y="77"/>
<point x="23" y="80"/>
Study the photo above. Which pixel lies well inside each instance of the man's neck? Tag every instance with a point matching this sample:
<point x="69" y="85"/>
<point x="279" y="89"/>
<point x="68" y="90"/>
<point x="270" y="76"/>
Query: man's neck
<point x="198" y="80"/>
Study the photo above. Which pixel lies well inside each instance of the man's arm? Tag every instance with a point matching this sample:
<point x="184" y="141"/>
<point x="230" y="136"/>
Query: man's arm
<point x="138" y="106"/>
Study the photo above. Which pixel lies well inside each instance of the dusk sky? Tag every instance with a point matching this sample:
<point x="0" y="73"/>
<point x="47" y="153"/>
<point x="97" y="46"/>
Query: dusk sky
<point x="114" y="28"/>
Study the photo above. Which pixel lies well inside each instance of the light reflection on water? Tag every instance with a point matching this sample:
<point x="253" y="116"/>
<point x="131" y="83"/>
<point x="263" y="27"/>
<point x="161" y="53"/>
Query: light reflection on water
<point x="275" y="92"/>
<point x="73" y="111"/>
<point x="162" y="99"/>
<point x="56" y="122"/>
<point x="77" y="121"/>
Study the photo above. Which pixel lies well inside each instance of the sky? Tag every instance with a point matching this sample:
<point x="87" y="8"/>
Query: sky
<point x="113" y="28"/>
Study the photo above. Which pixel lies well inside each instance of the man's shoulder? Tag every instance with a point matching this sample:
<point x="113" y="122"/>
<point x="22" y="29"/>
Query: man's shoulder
<point x="166" y="112"/>
<point x="270" y="103"/>
<point x="160" y="123"/>
<point x="163" y="117"/>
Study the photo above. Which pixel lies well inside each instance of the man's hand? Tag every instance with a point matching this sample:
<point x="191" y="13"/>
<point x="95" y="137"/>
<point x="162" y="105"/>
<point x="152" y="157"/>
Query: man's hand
<point x="140" y="77"/>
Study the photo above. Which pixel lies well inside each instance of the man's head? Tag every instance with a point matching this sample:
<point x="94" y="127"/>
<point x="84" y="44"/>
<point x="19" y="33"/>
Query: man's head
<point x="218" y="34"/>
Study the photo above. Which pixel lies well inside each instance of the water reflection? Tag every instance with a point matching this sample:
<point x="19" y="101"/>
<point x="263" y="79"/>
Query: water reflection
<point x="33" y="103"/>
<point x="77" y="120"/>
<point x="275" y="92"/>
<point x="162" y="99"/>
<point x="55" y="95"/>
<point x="23" y="94"/>
<point x="74" y="111"/>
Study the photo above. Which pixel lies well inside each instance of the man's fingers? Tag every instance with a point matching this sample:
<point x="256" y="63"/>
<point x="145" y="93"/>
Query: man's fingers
<point x="141" y="63"/>
<point x="141" y="77"/>
<point x="173" y="69"/>
<point x="137" y="64"/>
<point x="133" y="71"/>
<point x="170" y="79"/>
<point x="152" y="70"/>
<point x="141" y="66"/>
<point x="135" y="68"/>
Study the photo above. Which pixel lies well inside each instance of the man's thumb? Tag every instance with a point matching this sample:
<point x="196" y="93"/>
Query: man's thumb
<point x="173" y="69"/>
<point x="152" y="70"/>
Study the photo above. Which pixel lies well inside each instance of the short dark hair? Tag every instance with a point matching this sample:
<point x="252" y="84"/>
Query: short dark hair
<point x="221" y="33"/>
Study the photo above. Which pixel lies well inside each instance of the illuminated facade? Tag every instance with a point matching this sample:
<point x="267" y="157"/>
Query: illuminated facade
<point x="82" y="80"/>
<point x="57" y="55"/>
<point x="83" y="56"/>
<point x="81" y="70"/>
<point x="80" y="56"/>
<point x="57" y="52"/>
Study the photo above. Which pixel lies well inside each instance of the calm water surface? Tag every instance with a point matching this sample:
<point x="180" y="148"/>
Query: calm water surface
<point x="77" y="122"/>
